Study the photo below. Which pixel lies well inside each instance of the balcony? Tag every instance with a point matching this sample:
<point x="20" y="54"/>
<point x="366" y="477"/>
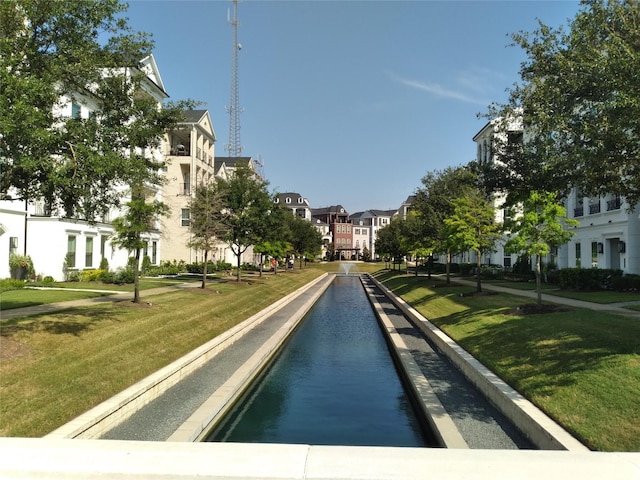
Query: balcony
<point x="180" y="151"/>
<point x="594" y="208"/>
<point x="578" y="211"/>
<point x="614" y="204"/>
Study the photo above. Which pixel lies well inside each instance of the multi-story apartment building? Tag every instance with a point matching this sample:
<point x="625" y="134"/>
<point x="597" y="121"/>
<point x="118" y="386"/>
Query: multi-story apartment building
<point x="340" y="226"/>
<point x="52" y="239"/>
<point x="189" y="150"/>
<point x="608" y="235"/>
<point x="372" y="221"/>
<point x="296" y="203"/>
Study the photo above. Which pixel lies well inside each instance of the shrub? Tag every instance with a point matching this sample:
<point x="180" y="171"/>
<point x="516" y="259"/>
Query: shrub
<point x="21" y="266"/>
<point x="90" y="275"/>
<point x="588" y="278"/>
<point x="124" y="275"/>
<point x="10" y="284"/>
<point x="626" y="283"/>
<point x="104" y="264"/>
<point x="48" y="279"/>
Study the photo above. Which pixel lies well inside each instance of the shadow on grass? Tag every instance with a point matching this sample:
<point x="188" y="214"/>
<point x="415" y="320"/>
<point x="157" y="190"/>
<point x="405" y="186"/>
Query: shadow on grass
<point x="71" y="322"/>
<point x="541" y="352"/>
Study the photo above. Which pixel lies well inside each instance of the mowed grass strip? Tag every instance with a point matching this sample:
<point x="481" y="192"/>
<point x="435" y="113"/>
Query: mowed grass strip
<point x="581" y="367"/>
<point x="27" y="297"/>
<point x="66" y="363"/>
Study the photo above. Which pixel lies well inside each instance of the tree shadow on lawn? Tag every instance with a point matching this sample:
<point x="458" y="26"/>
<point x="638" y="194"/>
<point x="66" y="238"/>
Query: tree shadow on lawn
<point x="539" y="352"/>
<point x="72" y="321"/>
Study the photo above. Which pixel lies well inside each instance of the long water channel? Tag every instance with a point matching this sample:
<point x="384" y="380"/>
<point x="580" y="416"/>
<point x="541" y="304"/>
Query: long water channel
<point x="333" y="383"/>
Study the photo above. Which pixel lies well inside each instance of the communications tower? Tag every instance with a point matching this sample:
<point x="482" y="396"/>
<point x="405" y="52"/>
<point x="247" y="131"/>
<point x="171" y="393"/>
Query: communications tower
<point x="234" y="148"/>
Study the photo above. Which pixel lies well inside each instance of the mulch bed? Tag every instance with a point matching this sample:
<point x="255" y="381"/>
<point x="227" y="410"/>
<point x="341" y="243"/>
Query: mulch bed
<point x="534" y="309"/>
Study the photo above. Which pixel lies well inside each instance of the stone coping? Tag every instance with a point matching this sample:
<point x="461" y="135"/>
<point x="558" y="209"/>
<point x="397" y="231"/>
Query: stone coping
<point x="108" y="414"/>
<point x="543" y="431"/>
<point x="54" y="458"/>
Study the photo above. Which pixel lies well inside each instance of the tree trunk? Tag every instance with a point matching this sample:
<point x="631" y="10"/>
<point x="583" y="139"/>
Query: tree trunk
<point x="204" y="270"/>
<point x="136" y="279"/>
<point x="448" y="267"/>
<point x="538" y="280"/>
<point x="238" y="273"/>
<point x="478" y="264"/>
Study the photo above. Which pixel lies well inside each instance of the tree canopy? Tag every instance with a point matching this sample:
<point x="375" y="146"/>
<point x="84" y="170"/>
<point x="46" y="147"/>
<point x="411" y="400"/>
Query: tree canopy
<point x="579" y="99"/>
<point x="541" y="226"/>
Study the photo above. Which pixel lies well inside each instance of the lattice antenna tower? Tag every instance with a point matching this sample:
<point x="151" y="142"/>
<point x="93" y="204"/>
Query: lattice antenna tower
<point x="234" y="148"/>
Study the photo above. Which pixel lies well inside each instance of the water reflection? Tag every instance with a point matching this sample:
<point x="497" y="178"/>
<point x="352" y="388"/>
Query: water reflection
<point x="333" y="384"/>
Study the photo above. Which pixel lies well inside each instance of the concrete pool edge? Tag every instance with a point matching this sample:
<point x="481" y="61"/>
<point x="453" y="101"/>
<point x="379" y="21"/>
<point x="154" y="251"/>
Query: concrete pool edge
<point x="543" y="431"/>
<point x="52" y="458"/>
<point x="96" y="421"/>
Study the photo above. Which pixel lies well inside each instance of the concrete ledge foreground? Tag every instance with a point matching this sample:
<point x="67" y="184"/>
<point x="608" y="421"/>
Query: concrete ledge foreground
<point x="114" y="459"/>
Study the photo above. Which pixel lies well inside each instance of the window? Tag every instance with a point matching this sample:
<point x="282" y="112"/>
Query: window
<point x="578" y="255"/>
<point x="154" y="252"/>
<point x="103" y="246"/>
<point x="594" y="254"/>
<point x="13" y="245"/>
<point x="71" y="251"/>
<point x="88" y="253"/>
<point x="300" y="200"/>
<point x="356" y="231"/>
<point x="288" y="200"/>
<point x="75" y="110"/>
<point x="185" y="217"/>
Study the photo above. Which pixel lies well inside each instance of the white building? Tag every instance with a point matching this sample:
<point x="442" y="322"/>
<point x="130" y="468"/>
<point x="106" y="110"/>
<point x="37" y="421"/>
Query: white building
<point x="49" y="239"/>
<point x="608" y="235"/>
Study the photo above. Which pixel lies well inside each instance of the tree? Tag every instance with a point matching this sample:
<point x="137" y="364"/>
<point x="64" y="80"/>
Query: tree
<point x="247" y="211"/>
<point x="472" y="226"/>
<point x="388" y="241"/>
<point x="49" y="50"/>
<point x="434" y="203"/>
<point x="579" y="100"/>
<point x="207" y="222"/>
<point x="541" y="225"/>
<point x="304" y="238"/>
<point x="135" y="123"/>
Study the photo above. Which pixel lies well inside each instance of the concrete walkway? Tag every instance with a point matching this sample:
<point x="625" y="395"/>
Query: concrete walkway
<point x="59" y="306"/>
<point x="617" y="308"/>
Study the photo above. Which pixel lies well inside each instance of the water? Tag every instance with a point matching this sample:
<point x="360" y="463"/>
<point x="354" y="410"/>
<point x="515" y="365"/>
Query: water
<point x="334" y="383"/>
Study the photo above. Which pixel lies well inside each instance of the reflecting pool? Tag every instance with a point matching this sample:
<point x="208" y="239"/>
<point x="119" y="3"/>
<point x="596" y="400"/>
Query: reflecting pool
<point x="334" y="383"/>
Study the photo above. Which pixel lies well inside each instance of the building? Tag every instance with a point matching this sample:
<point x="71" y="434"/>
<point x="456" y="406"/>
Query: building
<point x="296" y="203"/>
<point x="56" y="243"/>
<point x="372" y="221"/>
<point x="339" y="225"/>
<point x="189" y="150"/>
<point x="608" y="235"/>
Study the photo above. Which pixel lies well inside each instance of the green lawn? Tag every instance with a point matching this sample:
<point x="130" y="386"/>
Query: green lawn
<point x="66" y="363"/>
<point x="582" y="369"/>
<point x="26" y="297"/>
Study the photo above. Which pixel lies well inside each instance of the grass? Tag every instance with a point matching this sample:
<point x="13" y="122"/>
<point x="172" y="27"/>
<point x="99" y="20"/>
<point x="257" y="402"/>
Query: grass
<point x="29" y="298"/>
<point x="582" y="369"/>
<point x="69" y="362"/>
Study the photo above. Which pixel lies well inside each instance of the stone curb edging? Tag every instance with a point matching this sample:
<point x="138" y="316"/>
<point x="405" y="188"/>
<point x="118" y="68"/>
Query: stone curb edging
<point x="111" y="412"/>
<point x="439" y="420"/>
<point x="202" y="422"/>
<point x="541" y="430"/>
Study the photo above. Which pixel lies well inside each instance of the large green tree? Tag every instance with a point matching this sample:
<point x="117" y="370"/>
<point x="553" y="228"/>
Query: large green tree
<point x="434" y="203"/>
<point x="51" y="49"/>
<point x="579" y="100"/>
<point x="389" y="242"/>
<point x="207" y="220"/>
<point x="541" y="225"/>
<point x="472" y="226"/>
<point x="248" y="208"/>
<point x="304" y="238"/>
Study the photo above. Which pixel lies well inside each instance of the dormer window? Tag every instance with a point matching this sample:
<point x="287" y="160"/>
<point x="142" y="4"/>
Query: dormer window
<point x="288" y="200"/>
<point x="300" y="200"/>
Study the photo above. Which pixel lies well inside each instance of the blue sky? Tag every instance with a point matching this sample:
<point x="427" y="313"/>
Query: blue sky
<point x="346" y="102"/>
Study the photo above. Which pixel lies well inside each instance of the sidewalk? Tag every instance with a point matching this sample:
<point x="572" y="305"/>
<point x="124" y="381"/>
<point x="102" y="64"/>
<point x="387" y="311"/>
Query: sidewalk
<point x="59" y="306"/>
<point x="617" y="308"/>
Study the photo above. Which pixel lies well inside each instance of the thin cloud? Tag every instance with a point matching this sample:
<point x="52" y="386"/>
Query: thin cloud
<point x="439" y="91"/>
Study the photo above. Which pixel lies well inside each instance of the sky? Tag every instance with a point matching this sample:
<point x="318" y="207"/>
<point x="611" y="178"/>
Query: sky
<point x="346" y="102"/>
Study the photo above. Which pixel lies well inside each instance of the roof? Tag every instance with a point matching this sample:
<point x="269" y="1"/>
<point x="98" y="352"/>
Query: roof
<point x="194" y="116"/>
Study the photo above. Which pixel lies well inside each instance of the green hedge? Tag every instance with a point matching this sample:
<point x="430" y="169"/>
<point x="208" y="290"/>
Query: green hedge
<point x="588" y="278"/>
